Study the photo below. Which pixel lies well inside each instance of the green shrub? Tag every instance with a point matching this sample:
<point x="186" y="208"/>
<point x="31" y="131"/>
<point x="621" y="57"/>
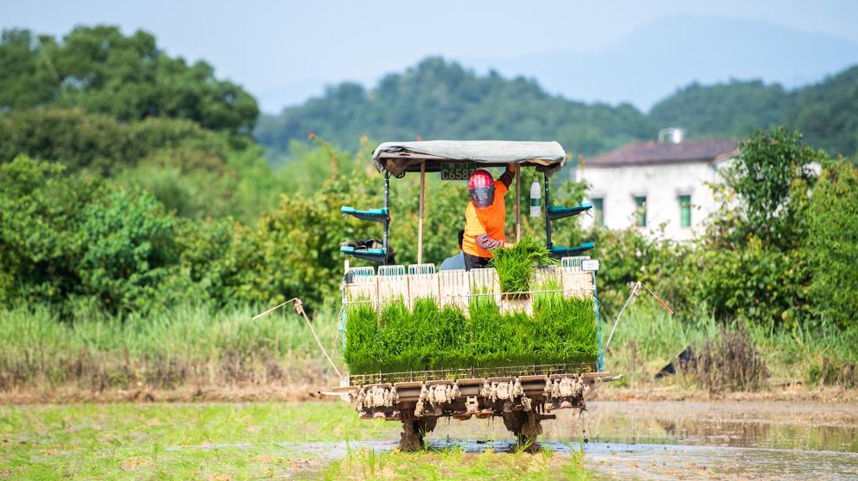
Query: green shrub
<point x="832" y="243"/>
<point x="74" y="239"/>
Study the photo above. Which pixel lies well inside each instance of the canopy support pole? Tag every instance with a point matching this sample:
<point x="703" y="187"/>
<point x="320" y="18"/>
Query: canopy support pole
<point x="547" y="220"/>
<point x="420" y="219"/>
<point x="387" y="216"/>
<point x="518" y="205"/>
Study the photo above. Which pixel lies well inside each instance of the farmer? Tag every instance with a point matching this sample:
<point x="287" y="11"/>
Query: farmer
<point x="485" y="216"/>
<point x="458" y="260"/>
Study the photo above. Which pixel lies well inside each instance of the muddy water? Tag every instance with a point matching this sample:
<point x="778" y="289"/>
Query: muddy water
<point x="666" y="440"/>
<point x="694" y="440"/>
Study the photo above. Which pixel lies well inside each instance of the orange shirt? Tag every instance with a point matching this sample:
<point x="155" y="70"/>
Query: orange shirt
<point x="485" y="221"/>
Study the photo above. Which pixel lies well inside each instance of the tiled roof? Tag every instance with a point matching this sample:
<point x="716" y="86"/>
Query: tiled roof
<point x="643" y="153"/>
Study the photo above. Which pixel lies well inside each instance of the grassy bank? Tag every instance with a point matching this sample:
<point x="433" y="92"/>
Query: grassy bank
<point x="189" y="346"/>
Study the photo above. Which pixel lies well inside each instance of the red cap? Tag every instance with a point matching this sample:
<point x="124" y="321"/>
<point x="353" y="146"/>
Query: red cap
<point x="480" y="178"/>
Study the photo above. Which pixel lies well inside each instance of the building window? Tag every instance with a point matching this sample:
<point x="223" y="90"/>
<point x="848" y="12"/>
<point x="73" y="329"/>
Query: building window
<point x="685" y="211"/>
<point x="599" y="211"/>
<point x="640" y="210"/>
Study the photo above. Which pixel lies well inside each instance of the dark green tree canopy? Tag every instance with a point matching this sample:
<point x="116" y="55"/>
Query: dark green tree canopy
<point x="128" y="77"/>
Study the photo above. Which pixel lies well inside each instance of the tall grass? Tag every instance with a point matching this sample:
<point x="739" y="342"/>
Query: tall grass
<point x="657" y="335"/>
<point x="185" y="345"/>
<point x="789" y="354"/>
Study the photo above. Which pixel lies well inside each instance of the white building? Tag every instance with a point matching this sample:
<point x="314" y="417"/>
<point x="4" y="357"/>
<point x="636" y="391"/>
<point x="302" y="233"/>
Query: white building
<point x="650" y="184"/>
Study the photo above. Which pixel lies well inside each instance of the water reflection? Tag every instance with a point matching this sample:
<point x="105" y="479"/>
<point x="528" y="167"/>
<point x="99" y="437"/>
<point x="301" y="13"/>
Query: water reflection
<point x="759" y="425"/>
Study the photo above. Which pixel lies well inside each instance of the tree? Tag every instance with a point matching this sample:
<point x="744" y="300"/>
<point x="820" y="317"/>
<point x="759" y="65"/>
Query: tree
<point x="68" y="239"/>
<point x="750" y="263"/>
<point x="101" y="70"/>
<point x="769" y="167"/>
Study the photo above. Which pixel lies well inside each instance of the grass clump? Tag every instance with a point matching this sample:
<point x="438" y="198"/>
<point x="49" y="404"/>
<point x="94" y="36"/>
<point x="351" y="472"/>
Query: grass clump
<point x="515" y="265"/>
<point x="731" y="362"/>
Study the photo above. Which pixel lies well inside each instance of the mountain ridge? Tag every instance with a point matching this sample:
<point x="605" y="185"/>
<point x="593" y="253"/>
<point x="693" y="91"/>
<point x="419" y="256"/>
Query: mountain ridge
<point x="439" y="98"/>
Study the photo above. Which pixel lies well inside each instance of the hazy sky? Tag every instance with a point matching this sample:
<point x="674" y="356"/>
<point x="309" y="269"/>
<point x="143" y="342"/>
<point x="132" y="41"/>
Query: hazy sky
<point x="284" y="51"/>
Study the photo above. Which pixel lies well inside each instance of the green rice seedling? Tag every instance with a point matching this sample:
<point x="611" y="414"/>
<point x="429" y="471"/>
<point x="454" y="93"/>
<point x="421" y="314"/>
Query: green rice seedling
<point x="425" y="337"/>
<point x="515" y="265"/>
<point x="566" y="326"/>
<point x="362" y="335"/>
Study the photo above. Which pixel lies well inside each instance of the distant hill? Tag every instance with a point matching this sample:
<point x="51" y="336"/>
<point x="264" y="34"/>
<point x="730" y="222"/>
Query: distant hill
<point x="827" y="113"/>
<point x="670" y="52"/>
<point x="441" y="99"/>
<point x="731" y="109"/>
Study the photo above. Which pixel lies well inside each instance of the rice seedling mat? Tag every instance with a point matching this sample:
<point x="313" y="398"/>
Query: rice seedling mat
<point x="449" y="324"/>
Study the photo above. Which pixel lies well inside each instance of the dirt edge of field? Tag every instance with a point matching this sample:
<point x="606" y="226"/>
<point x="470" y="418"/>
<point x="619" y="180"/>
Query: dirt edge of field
<point x="310" y="392"/>
<point x="72" y="394"/>
<point x="795" y="393"/>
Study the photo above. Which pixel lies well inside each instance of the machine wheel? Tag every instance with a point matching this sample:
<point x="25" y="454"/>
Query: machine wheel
<point x="526" y="426"/>
<point x="413" y="432"/>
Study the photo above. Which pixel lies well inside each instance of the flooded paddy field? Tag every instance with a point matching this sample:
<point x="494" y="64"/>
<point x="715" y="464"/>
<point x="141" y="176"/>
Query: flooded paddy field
<point x="612" y="440"/>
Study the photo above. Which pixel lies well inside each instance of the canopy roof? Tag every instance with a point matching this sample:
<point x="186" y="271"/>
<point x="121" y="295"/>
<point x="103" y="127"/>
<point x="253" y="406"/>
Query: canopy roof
<point x="401" y="157"/>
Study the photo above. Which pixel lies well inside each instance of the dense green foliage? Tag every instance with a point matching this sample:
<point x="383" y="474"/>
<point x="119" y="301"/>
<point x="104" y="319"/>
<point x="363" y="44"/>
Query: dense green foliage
<point x="98" y="142"/>
<point x="440" y="99"/>
<point x="831" y="249"/>
<point x="826" y="113"/>
<point x="427" y="337"/>
<point x="129" y="78"/>
<point x="194" y="171"/>
<point x="74" y="239"/>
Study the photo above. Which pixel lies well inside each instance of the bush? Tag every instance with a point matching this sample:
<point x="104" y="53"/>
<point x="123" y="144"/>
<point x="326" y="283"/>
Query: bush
<point x="753" y="282"/>
<point x="628" y="256"/>
<point x="832" y="243"/>
<point x="70" y="238"/>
